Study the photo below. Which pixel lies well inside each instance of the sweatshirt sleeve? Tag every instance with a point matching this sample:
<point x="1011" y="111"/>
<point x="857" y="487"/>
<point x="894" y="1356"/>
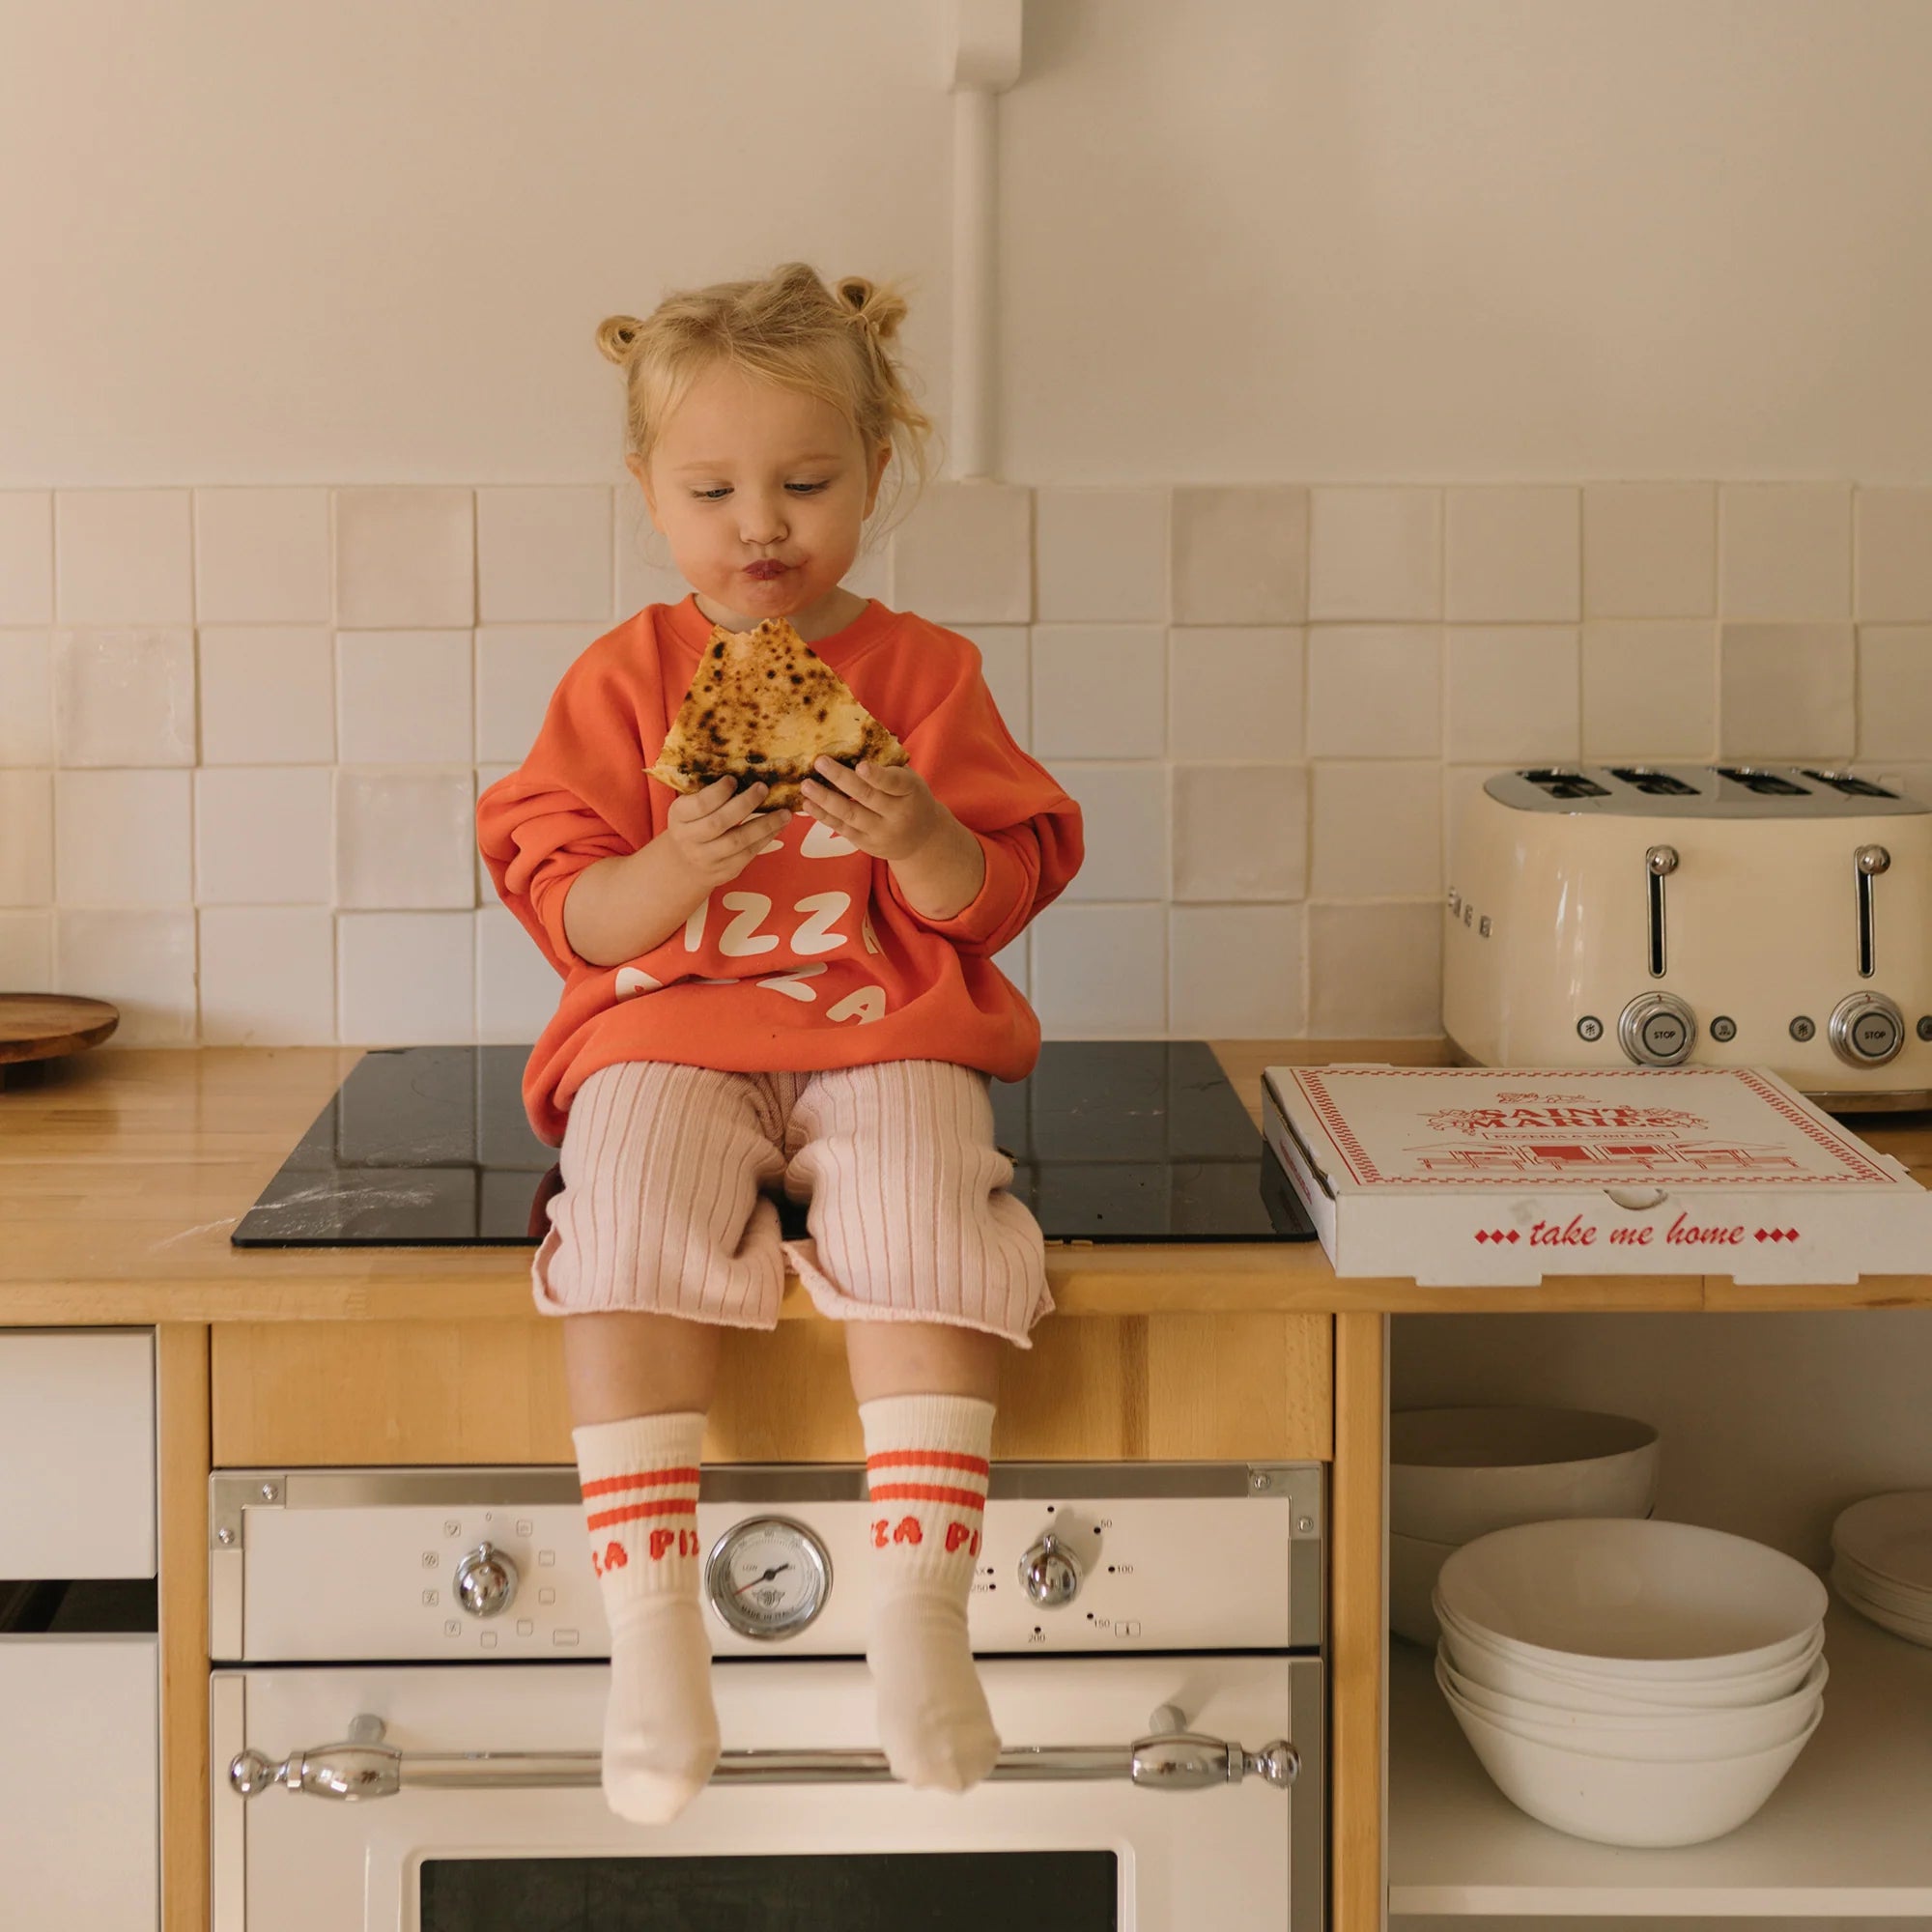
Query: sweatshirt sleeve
<point x="579" y="796"/>
<point x="1029" y="828"/>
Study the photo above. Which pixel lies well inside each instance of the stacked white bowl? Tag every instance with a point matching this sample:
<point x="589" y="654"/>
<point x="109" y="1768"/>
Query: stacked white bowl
<point x="1458" y="1473"/>
<point x="1882" y="1562"/>
<point x="1634" y="1682"/>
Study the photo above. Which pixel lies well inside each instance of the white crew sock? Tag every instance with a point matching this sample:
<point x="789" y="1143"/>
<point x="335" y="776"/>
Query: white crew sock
<point x="926" y="1464"/>
<point x="639" y="1482"/>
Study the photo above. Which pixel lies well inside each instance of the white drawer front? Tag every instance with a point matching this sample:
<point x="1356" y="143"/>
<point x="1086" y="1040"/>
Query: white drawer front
<point x="76" y="1453"/>
<point x="80" y="1798"/>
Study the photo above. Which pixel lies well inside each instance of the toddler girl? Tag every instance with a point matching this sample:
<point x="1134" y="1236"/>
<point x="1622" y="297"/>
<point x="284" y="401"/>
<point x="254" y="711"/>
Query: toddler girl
<point x="757" y="1000"/>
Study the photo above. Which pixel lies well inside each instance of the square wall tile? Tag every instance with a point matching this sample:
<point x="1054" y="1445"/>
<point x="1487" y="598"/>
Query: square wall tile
<point x="1239" y="554"/>
<point x="1099" y="692"/>
<point x="403" y="697"/>
<point x="1375" y="691"/>
<point x="122" y="556"/>
<point x="1514" y="554"/>
<point x="1006" y="663"/>
<point x="1461" y="789"/>
<point x="121" y="839"/>
<point x="543" y="554"/>
<point x="1240" y="831"/>
<point x="1650" y="690"/>
<point x="143" y="961"/>
<point x="1375" y="552"/>
<point x="27" y="846"/>
<point x="405" y="979"/>
<point x="405" y="558"/>
<point x="965" y="554"/>
<point x="1126" y="812"/>
<point x="1784" y="551"/>
<point x="486" y="777"/>
<point x="26" y="556"/>
<point x="645" y="573"/>
<point x="1376" y="831"/>
<point x="1101" y="970"/>
<point x="517" y="988"/>
<point x="26" y="698"/>
<point x="268" y="696"/>
<point x="1234" y="694"/>
<point x="125" y="698"/>
<point x="1375" y="971"/>
<point x="1512" y="694"/>
<point x="27" y="952"/>
<point x="264" y="836"/>
<point x="268" y="976"/>
<point x="1895" y="692"/>
<point x="1236" y="972"/>
<point x="1650" y="550"/>
<point x="405" y="839"/>
<point x="261" y="557"/>
<point x="518" y="666"/>
<point x="1895" y="555"/>
<point x="1100" y="556"/>
<point x="1784" y="691"/>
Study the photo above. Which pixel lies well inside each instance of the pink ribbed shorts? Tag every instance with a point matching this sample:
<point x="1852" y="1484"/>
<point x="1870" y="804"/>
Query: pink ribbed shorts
<point x="667" y="1176"/>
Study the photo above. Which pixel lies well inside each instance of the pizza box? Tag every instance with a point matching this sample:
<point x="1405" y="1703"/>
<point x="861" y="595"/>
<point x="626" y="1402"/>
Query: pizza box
<point x="1479" y="1176"/>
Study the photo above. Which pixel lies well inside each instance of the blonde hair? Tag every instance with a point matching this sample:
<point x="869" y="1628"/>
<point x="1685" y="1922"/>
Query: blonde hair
<point x="790" y="329"/>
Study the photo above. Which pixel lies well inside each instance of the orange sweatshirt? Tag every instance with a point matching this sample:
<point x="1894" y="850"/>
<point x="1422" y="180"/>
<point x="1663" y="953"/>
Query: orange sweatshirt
<point x="810" y="957"/>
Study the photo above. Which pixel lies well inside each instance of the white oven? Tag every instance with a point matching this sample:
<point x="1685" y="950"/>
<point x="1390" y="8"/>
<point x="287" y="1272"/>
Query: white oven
<point x="408" y="1700"/>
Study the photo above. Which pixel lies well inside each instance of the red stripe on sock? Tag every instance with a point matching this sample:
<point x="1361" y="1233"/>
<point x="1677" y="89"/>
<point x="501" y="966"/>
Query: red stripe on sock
<point x="932" y="1459"/>
<point x="643" y="1479"/>
<point x="631" y="1512"/>
<point x="927" y="1492"/>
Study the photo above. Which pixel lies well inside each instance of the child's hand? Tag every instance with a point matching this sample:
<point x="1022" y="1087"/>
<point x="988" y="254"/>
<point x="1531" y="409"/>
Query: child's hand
<point x="886" y="810"/>
<point x="714" y="830"/>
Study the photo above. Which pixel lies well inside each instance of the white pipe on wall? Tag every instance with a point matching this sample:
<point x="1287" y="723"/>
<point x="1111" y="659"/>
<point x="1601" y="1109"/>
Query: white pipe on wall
<point x="982" y="61"/>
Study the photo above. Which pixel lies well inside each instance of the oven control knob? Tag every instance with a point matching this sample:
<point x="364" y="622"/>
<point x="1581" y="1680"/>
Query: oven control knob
<point x="1049" y="1572"/>
<point x="1867" y="1030"/>
<point x="1657" y="1029"/>
<point x="486" y="1581"/>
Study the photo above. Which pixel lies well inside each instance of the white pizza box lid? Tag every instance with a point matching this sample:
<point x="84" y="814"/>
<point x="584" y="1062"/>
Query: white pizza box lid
<point x="1481" y="1175"/>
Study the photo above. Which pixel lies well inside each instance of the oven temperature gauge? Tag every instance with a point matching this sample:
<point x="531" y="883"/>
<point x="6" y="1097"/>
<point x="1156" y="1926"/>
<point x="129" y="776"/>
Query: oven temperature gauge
<point x="768" y="1577"/>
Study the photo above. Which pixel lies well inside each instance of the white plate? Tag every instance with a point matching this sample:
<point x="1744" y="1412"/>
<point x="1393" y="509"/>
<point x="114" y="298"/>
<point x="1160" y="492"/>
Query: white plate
<point x="1891" y="1536"/>
<point x="1854" y="1577"/>
<point x="1913" y="1629"/>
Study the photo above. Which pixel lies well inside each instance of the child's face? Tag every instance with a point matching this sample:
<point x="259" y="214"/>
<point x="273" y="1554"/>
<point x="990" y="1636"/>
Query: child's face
<point x="747" y="473"/>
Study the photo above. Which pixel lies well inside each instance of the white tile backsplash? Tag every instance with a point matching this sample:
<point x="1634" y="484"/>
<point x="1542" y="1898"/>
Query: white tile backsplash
<point x="264" y="836"/>
<point x="267" y="976"/>
<point x="405" y="558"/>
<point x="1784" y="551"/>
<point x="1099" y="691"/>
<point x="543" y="554"/>
<point x="404" y="838"/>
<point x="122" y="556"/>
<point x="1100" y="556"/>
<point x="124" y="697"/>
<point x="26" y="697"/>
<point x="121" y="839"/>
<point x="1261" y="791"/>
<point x="267" y="695"/>
<point x="261" y="557"/>
<point x="404" y="698"/>
<point x="26" y="556"/>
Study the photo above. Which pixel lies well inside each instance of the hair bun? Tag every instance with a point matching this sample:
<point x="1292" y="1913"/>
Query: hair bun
<point x="616" y="336"/>
<point x="880" y="310"/>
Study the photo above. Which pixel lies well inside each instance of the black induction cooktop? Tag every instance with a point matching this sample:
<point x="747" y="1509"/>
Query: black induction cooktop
<point x="1111" y="1139"/>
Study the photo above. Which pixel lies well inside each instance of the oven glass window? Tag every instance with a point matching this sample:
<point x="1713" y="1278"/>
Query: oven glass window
<point x="935" y="1892"/>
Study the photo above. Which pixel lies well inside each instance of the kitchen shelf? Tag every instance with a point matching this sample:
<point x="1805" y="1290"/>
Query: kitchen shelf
<point x="1845" y="1836"/>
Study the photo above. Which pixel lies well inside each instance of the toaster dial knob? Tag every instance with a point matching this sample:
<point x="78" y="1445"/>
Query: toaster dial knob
<point x="1657" y="1029"/>
<point x="1865" y="1030"/>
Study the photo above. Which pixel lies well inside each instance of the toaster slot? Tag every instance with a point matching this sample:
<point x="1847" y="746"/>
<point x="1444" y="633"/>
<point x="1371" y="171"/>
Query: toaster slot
<point x="1766" y="784"/>
<point x="1655" y="784"/>
<point x="1561" y="783"/>
<point x="1848" y="786"/>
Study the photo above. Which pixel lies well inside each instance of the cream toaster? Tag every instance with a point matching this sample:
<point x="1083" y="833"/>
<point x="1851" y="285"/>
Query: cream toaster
<point x="1724" y="915"/>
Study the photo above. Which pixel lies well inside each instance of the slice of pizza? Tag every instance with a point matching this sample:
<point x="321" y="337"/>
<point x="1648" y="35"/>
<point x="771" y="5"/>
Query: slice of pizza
<point x="764" y="706"/>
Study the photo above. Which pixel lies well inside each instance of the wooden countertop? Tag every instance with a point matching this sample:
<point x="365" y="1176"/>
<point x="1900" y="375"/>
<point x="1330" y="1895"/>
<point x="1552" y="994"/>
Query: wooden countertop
<point x="122" y="1173"/>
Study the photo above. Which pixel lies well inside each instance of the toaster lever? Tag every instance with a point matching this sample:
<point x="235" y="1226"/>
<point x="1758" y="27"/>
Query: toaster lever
<point x="1869" y="861"/>
<point x="1658" y="863"/>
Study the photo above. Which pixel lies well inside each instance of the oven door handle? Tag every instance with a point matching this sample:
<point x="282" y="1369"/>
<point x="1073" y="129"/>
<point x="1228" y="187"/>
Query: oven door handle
<point x="363" y="1767"/>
